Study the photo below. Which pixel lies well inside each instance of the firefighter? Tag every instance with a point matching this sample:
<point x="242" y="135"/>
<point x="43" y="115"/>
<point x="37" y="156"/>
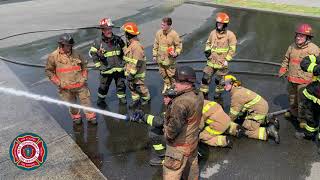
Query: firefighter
<point x="68" y="71"/>
<point x="220" y="49"/>
<point x="107" y="54"/>
<point x="135" y="67"/>
<point x="311" y="101"/>
<point x="290" y="68"/>
<point x="253" y="107"/>
<point x="167" y="46"/>
<point x="214" y="126"/>
<point x="180" y="126"/>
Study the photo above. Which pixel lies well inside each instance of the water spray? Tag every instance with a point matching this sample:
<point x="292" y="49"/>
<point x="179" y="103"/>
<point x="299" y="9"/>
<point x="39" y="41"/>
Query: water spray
<point x="46" y="99"/>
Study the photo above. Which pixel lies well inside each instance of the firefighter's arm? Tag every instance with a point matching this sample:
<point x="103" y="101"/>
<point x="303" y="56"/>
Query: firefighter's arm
<point x="84" y="67"/>
<point x="139" y="117"/>
<point x="285" y="63"/>
<point x="122" y="45"/>
<point x="95" y="55"/>
<point x="209" y="43"/>
<point x="176" y="121"/>
<point x="232" y="46"/>
<point x="155" y="46"/>
<point x="311" y="64"/>
<point x="154" y="121"/>
<point x="138" y="59"/>
<point x="177" y="44"/>
<point x="50" y="70"/>
<point x="235" y="107"/>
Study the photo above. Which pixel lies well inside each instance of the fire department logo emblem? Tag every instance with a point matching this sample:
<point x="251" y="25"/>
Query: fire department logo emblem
<point x="28" y="151"/>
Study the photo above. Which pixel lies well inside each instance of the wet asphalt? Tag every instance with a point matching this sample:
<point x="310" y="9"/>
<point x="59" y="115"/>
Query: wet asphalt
<point x="122" y="150"/>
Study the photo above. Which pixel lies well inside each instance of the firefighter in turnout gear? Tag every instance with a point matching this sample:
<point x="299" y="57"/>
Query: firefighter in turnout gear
<point x="135" y="66"/>
<point x="220" y="49"/>
<point x="180" y="126"/>
<point x="311" y="101"/>
<point x="253" y="107"/>
<point x="167" y="46"/>
<point x="155" y="132"/>
<point x="68" y="71"/>
<point x="214" y="126"/>
<point x="107" y="54"/>
<point x="290" y="68"/>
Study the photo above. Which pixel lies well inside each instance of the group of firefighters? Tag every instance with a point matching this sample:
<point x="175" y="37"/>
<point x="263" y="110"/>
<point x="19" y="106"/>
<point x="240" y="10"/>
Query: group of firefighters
<point x="189" y="117"/>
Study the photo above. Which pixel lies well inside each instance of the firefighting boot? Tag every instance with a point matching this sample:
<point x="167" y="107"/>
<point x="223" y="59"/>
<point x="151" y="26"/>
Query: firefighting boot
<point x="273" y="121"/>
<point x="229" y="142"/>
<point x="101" y="103"/>
<point x="156" y="161"/>
<point x="304" y="134"/>
<point x="240" y="132"/>
<point x="157" y="155"/>
<point x="273" y="132"/>
<point x="157" y="158"/>
<point x="123" y="100"/>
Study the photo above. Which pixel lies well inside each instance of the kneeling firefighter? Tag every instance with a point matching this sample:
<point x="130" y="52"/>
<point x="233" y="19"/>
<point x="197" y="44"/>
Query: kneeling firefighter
<point x="253" y="108"/>
<point x="214" y="126"/>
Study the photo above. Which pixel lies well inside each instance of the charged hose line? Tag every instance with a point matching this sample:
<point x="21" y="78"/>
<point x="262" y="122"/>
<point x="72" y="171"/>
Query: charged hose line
<point x="276" y="113"/>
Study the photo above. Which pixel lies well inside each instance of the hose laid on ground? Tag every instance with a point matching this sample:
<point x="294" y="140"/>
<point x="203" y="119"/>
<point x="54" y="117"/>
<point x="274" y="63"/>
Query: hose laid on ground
<point x="51" y="30"/>
<point x="148" y="63"/>
<point x="148" y="68"/>
<point x="233" y="60"/>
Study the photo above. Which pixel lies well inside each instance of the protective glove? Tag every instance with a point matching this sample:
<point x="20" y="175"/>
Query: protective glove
<point x="103" y="67"/>
<point x="137" y="116"/>
<point x="225" y="63"/>
<point x="154" y="59"/>
<point x="130" y="78"/>
<point x="207" y="53"/>
<point x="56" y="81"/>
<point x="100" y="54"/>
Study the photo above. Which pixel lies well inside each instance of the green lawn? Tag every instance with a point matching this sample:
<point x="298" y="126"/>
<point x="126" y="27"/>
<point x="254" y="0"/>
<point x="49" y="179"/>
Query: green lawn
<point x="271" y="6"/>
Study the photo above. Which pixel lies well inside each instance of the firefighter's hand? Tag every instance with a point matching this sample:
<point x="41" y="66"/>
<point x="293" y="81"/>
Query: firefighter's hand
<point x="103" y="67"/>
<point x="130" y="78"/>
<point x="154" y="58"/>
<point x="283" y="75"/>
<point x="100" y="54"/>
<point x="225" y="63"/>
<point x="173" y="54"/>
<point x="56" y="81"/>
<point x="137" y="116"/>
<point x="207" y="53"/>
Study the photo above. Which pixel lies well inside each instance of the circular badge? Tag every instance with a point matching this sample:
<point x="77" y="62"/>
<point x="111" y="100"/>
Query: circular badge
<point x="28" y="151"/>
